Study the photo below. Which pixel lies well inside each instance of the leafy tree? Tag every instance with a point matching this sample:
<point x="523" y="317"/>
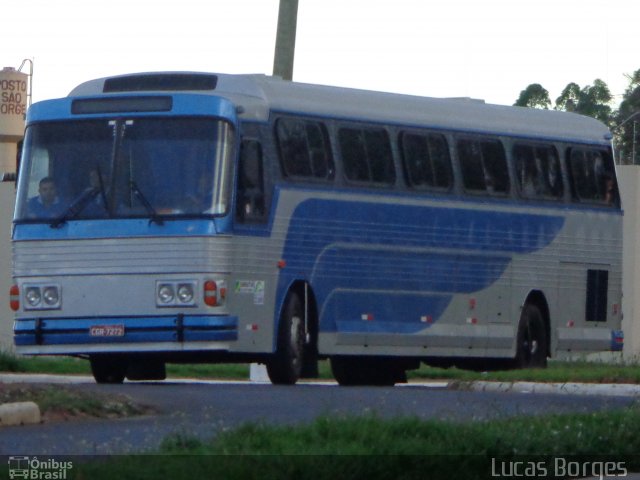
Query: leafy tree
<point x="534" y="96"/>
<point x="569" y="98"/>
<point x="595" y="101"/>
<point x="627" y="119"/>
<point x="592" y="100"/>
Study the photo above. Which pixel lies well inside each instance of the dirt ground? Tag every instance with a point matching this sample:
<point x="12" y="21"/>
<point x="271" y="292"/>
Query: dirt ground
<point x="68" y="402"/>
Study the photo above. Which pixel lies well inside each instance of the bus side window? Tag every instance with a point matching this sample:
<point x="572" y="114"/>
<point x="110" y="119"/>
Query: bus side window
<point x="304" y="149"/>
<point x="250" y="203"/>
<point x="426" y="160"/>
<point x="484" y="166"/>
<point x="593" y="176"/>
<point x="538" y="171"/>
<point x="367" y="155"/>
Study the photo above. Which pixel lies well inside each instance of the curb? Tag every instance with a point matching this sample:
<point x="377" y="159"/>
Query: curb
<point x="605" y="389"/>
<point x="19" y="413"/>
<point x="259" y="375"/>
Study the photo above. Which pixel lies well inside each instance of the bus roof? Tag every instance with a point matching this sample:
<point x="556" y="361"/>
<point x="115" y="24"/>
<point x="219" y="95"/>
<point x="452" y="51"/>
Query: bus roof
<point x="256" y="96"/>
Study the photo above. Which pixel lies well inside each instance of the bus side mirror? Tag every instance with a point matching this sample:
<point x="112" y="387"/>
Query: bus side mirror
<point x="8" y="177"/>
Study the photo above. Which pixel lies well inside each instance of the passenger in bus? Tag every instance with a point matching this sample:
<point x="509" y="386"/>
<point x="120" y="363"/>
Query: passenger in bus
<point x="609" y="193"/>
<point x="489" y="183"/>
<point x="46" y="204"/>
<point x="554" y="178"/>
<point x="530" y="186"/>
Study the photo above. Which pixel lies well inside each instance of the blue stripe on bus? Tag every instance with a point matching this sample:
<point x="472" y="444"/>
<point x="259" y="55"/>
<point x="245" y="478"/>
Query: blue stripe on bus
<point x="385" y="259"/>
<point x="116" y="228"/>
<point x="133" y="337"/>
<point x="59" y="331"/>
<point x="175" y="227"/>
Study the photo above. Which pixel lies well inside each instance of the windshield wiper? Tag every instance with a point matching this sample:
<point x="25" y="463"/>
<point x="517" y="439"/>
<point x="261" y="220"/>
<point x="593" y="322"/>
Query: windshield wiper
<point x="153" y="214"/>
<point x="102" y="191"/>
<point x="76" y="207"/>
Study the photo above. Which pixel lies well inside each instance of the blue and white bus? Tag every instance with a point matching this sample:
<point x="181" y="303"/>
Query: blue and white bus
<point x="194" y="217"/>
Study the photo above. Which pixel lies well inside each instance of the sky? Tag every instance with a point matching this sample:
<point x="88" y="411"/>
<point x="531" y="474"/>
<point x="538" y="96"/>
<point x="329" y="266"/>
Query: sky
<point x="490" y="49"/>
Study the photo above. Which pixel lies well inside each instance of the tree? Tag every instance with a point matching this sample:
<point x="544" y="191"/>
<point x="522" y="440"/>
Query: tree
<point x="534" y="96"/>
<point x="569" y="98"/>
<point x="592" y="100"/>
<point x="627" y="132"/>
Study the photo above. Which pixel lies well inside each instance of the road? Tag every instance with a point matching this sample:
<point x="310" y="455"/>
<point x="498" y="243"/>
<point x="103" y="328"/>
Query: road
<point x="204" y="409"/>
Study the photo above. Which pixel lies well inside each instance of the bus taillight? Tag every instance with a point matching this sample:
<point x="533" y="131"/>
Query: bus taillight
<point x="210" y="293"/>
<point x="14" y="298"/>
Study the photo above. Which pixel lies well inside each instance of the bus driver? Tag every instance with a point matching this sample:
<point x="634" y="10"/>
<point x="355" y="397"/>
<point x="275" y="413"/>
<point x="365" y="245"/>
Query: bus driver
<point x="47" y="203"/>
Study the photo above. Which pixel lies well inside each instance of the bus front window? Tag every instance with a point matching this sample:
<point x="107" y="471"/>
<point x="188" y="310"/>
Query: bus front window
<point x="125" y="169"/>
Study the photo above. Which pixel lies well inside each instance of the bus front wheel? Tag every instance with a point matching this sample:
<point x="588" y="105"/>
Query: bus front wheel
<point x="108" y="369"/>
<point x="531" y="351"/>
<point x="286" y="365"/>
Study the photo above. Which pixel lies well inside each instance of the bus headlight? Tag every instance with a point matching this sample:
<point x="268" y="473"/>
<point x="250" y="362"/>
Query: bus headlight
<point x="32" y="296"/>
<point x="42" y="297"/>
<point x="185" y="293"/>
<point x="165" y="294"/>
<point x="176" y="293"/>
<point x="51" y="296"/>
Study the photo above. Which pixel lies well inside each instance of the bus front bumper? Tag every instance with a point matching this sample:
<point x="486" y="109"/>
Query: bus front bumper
<point x="124" y="334"/>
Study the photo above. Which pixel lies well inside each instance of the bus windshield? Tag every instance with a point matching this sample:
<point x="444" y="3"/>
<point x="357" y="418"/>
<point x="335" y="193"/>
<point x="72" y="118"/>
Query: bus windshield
<point x="125" y="168"/>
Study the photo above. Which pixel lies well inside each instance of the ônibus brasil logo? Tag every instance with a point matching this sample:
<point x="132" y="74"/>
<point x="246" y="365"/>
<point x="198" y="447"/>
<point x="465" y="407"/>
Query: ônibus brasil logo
<point x="35" y="469"/>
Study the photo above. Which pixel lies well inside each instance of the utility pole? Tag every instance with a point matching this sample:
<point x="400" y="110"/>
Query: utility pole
<point x="616" y="130"/>
<point x="633" y="156"/>
<point x="285" y="39"/>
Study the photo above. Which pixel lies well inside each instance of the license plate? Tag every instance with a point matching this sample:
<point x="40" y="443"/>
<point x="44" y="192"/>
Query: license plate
<point x="107" y="331"/>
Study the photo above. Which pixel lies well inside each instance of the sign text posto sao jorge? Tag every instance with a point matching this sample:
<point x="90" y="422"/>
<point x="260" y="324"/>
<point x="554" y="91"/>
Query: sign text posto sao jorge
<point x="13" y="97"/>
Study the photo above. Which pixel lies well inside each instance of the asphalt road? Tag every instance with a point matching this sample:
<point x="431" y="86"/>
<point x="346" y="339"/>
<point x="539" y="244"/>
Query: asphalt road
<point x="204" y="409"/>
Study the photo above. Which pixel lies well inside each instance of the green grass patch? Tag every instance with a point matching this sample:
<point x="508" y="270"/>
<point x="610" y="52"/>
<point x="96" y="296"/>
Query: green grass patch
<point x="46" y="364"/>
<point x="558" y="371"/>
<point x="60" y="365"/>
<point x="231" y="371"/>
<point x="61" y="401"/>
<point x="374" y="448"/>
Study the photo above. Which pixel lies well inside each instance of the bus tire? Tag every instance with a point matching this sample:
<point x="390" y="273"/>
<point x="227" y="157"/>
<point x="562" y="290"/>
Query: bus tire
<point x="286" y="365"/>
<point x="352" y="371"/>
<point x="108" y="369"/>
<point x="531" y="349"/>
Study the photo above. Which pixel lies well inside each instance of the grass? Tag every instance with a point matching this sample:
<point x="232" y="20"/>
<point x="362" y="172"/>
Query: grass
<point x="59" y="365"/>
<point x="558" y="371"/>
<point x="232" y="371"/>
<point x="612" y="433"/>
<point x="64" y="401"/>
<point x="404" y="448"/>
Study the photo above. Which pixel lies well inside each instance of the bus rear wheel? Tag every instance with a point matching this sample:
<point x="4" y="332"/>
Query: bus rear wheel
<point x="108" y="368"/>
<point x="286" y="365"/>
<point x="531" y="351"/>
<point x="352" y="371"/>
